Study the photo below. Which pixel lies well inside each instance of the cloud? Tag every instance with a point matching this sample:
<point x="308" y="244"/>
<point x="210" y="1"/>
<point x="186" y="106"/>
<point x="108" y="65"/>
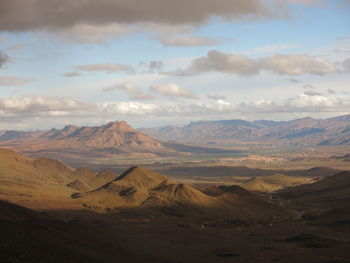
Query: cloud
<point x="152" y="66"/>
<point x="71" y="74"/>
<point x="308" y="86"/>
<point x="19" y="15"/>
<point x="3" y="59"/>
<point x="188" y="41"/>
<point x="86" y="33"/>
<point x="47" y="111"/>
<point x="15" y="47"/>
<point x="271" y="48"/>
<point x="294" y="80"/>
<point x="332" y="91"/>
<point x="302" y="103"/>
<point x="298" y="64"/>
<point x="106" y="67"/>
<point x="49" y="106"/>
<point x="216" y="97"/>
<point x="126" y="108"/>
<point x="173" y="90"/>
<point x="346" y="64"/>
<point x="37" y="106"/>
<point x="281" y="64"/>
<point x="312" y="93"/>
<point x="134" y="92"/>
<point x="14" y="81"/>
<point x="304" y="2"/>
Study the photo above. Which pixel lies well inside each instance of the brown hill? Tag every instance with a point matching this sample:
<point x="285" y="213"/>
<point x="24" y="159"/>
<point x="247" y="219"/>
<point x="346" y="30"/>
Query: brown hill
<point x="274" y="182"/>
<point x="258" y="184"/>
<point x="87" y="180"/>
<point x="140" y="188"/>
<point x="44" y="181"/>
<point x="286" y="181"/>
<point x="79" y="186"/>
<point x="334" y="191"/>
<point x="33" y="182"/>
<point x="58" y="170"/>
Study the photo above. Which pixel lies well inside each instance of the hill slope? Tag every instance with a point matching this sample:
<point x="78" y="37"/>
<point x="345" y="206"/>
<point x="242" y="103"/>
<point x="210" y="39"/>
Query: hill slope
<point x="140" y="188"/>
<point x="39" y="182"/>
<point x="334" y="191"/>
<point x="274" y="182"/>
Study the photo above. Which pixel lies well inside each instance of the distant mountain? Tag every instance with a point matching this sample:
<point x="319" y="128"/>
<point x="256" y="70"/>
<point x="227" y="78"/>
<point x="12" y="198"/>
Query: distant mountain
<point x="12" y="135"/>
<point x="305" y="131"/>
<point x="112" y="139"/>
<point x="100" y="141"/>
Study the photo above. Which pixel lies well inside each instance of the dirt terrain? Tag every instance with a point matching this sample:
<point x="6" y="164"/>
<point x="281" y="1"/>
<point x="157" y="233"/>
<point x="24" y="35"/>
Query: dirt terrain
<point x="55" y="213"/>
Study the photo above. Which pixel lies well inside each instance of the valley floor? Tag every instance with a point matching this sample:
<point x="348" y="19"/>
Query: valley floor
<point x="117" y="238"/>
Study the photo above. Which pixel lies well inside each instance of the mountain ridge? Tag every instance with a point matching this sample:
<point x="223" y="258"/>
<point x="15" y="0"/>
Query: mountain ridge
<point x="305" y="131"/>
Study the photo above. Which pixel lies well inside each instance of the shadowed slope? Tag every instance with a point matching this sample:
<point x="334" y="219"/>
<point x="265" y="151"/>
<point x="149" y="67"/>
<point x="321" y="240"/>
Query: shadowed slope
<point x="144" y="189"/>
<point x="336" y="184"/>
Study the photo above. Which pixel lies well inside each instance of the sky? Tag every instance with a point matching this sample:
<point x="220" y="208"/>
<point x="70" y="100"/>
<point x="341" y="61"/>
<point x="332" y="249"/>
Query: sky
<point x="166" y="62"/>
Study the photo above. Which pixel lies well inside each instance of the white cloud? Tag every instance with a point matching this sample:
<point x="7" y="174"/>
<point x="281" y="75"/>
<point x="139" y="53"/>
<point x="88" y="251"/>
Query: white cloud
<point x="72" y="74"/>
<point x="308" y="86"/>
<point x="134" y="92"/>
<point x="14" y="81"/>
<point x="281" y="64"/>
<point x="106" y="67"/>
<point x="216" y="97"/>
<point x="271" y="48"/>
<point x="331" y="91"/>
<point x="40" y="111"/>
<point x="173" y="90"/>
<point x="346" y="64"/>
<point x="31" y="105"/>
<point x="187" y="41"/>
<point x="86" y="33"/>
<point x="126" y="108"/>
<point x="298" y="65"/>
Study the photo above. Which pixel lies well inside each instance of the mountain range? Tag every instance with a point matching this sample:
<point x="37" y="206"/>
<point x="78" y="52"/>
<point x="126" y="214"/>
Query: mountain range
<point x="112" y="139"/>
<point x="305" y="131"/>
<point x="115" y="137"/>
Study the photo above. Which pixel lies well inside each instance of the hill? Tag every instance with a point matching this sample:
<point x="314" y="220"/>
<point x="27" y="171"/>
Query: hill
<point x="274" y="182"/>
<point x="141" y="189"/>
<point x="37" y="182"/>
<point x="305" y="131"/>
<point x="333" y="191"/>
<point x="257" y="184"/>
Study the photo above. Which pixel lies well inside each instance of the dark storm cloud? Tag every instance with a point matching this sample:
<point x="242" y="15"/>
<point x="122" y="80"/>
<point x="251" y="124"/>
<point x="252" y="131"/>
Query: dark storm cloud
<point x="19" y="15"/>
